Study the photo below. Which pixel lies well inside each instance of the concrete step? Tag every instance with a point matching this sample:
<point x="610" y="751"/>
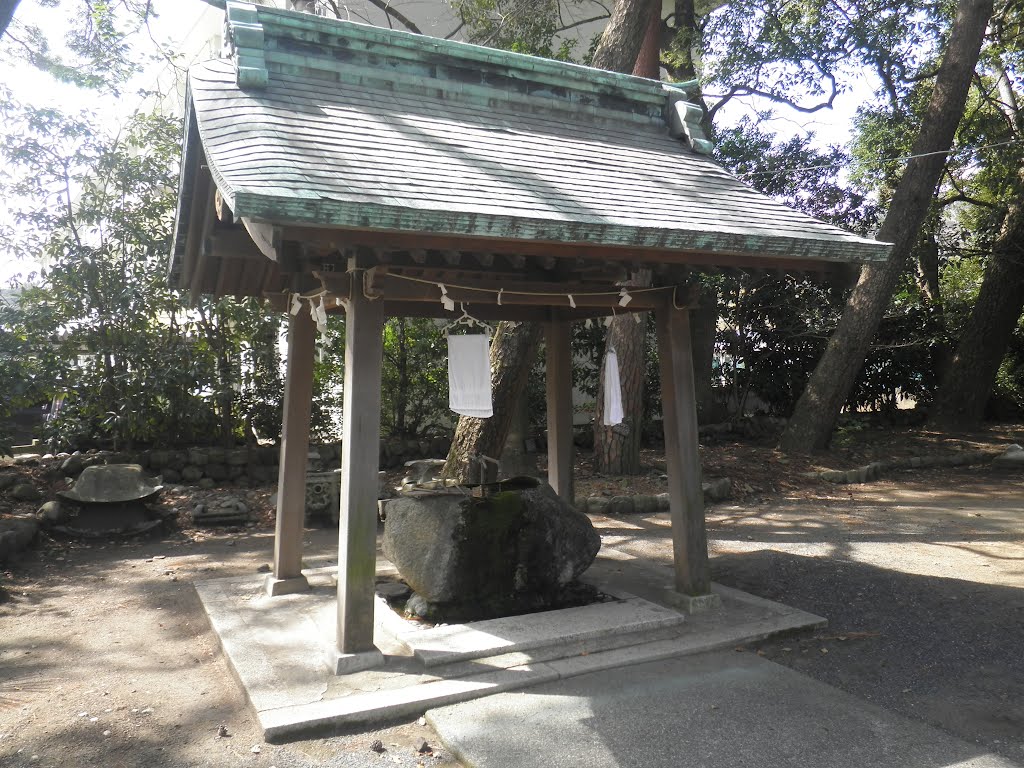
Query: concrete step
<point x="599" y="626"/>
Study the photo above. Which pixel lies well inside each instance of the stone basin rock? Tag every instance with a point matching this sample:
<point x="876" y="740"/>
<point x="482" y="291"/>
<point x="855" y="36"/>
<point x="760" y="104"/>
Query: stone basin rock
<point x="515" y="550"/>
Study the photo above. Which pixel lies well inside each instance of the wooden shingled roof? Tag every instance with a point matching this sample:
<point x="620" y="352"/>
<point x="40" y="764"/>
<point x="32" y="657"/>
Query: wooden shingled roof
<point x="327" y="139"/>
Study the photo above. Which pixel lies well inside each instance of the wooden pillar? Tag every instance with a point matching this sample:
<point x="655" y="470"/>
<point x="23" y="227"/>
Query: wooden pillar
<point x="291" y="480"/>
<point x="682" y="456"/>
<point x="558" y="377"/>
<point x="357" y="532"/>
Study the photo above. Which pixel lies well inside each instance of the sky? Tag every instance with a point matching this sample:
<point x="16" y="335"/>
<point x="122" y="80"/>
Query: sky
<point x="199" y="24"/>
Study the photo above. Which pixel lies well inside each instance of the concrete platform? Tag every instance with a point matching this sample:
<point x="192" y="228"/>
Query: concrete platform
<point x="711" y="709"/>
<point x="281" y="649"/>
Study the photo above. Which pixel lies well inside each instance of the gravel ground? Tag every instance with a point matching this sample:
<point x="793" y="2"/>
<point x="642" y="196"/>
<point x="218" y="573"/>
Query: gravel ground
<point x="107" y="660"/>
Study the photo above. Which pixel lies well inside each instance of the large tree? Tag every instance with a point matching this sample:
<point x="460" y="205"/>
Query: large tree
<point x="514" y="348"/>
<point x="833" y="379"/>
<point x="967" y="382"/>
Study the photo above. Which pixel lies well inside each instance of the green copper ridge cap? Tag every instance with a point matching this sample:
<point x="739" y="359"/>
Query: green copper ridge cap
<point x="411" y="45"/>
<point x="244" y="39"/>
<point x="684" y="118"/>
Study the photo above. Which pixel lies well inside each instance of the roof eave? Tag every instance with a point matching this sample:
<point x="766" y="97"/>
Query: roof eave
<point x="760" y="249"/>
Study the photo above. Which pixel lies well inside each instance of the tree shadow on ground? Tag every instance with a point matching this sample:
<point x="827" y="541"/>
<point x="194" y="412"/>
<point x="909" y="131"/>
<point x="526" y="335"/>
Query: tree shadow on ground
<point x="946" y="651"/>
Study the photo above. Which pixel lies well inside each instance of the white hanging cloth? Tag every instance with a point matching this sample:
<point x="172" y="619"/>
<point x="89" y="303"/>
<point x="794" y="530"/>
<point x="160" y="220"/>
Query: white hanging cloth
<point x="469" y="375"/>
<point x="612" y="390"/>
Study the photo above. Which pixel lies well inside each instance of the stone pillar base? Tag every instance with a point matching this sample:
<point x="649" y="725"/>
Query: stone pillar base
<point x="275" y="587"/>
<point x="692" y="603"/>
<point x="344" y="663"/>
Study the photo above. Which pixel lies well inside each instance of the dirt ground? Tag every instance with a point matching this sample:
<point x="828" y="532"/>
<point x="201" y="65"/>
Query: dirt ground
<point x="107" y="660"/>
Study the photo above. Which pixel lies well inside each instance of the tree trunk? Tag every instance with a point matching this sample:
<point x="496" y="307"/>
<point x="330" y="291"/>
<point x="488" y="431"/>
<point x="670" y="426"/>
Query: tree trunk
<point x="622" y="38"/>
<point x="703" y="329"/>
<point x="515" y="344"/>
<point x="617" y="448"/>
<point x="513" y="351"/>
<point x="818" y="408"/>
<point x="967" y="383"/>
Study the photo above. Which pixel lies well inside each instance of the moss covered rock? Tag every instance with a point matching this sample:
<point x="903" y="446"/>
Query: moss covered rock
<point x="515" y="549"/>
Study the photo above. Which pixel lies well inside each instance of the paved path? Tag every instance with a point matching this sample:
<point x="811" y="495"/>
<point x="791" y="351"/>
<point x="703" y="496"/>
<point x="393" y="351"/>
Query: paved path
<point x="719" y="709"/>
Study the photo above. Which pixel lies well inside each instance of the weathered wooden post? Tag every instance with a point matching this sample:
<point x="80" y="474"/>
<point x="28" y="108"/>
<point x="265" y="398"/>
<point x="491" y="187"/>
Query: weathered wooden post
<point x="357" y="531"/>
<point x="682" y="459"/>
<point x="287" y="577"/>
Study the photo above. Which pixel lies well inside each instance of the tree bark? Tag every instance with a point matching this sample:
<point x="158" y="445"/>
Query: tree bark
<point x="617" y="448"/>
<point x="967" y="384"/>
<point x="515" y="344"/>
<point x="703" y="329"/>
<point x="513" y="350"/>
<point x="622" y="38"/>
<point x="818" y="408"/>
<point x="632" y="46"/>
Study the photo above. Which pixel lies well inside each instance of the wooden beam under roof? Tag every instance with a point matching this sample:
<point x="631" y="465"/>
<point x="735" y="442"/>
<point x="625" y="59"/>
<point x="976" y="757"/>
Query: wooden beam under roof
<point x="518" y="250"/>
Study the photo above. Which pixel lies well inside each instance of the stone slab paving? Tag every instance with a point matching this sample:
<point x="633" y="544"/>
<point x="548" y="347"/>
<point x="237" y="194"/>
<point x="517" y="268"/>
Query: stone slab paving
<point x="278" y="648"/>
<point x="711" y="709"/>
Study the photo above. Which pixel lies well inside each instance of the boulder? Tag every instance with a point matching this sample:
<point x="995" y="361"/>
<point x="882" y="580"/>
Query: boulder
<point x="217" y="471"/>
<point x="514" y="550"/>
<point x="1011" y="458"/>
<point x="191" y="473"/>
<point x="16" y="534"/>
<point x="51" y="513"/>
<point x="72" y="466"/>
<point x="25" y="492"/>
<point x="225" y="510"/>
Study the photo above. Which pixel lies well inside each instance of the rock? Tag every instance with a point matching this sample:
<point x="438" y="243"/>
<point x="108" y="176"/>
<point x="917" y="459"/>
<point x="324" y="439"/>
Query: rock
<point x="237" y="457"/>
<point x="197" y="457"/>
<point x="597" y="505"/>
<point x="217" y="471"/>
<point x="159" y="459"/>
<point x="16" y="534"/>
<point x="515" y="549"/>
<point x="664" y="502"/>
<point x="206" y="483"/>
<point x="226" y="510"/>
<point x="191" y="474"/>
<point x="1011" y="458"/>
<point x="7" y="480"/>
<point x="621" y="505"/>
<point x="176" y="460"/>
<point x="171" y="475"/>
<point x="393" y="590"/>
<point x="51" y="513"/>
<point x="717" y="489"/>
<point x="72" y="466"/>
<point x="423" y="470"/>
<point x="265" y="568"/>
<point x="25" y="492"/>
<point x="645" y="505"/>
<point x="377" y="746"/>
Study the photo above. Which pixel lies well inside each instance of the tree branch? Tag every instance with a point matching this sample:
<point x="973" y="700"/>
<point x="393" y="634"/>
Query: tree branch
<point x="397" y="15"/>
<point x="745" y="90"/>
